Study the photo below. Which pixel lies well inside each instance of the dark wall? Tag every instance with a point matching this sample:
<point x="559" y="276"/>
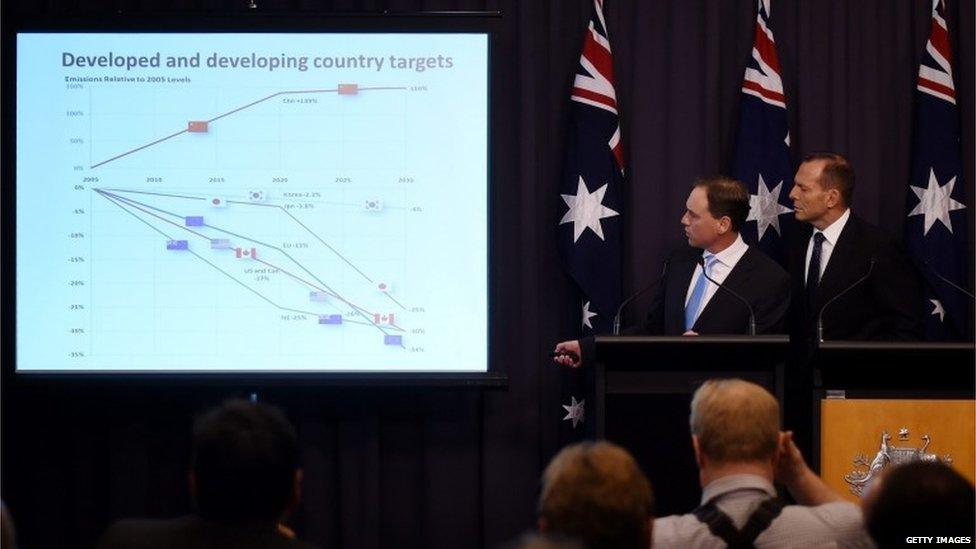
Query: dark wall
<point x="459" y="468"/>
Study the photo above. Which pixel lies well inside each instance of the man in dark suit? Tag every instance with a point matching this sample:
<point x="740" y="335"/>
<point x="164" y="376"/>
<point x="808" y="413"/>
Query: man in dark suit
<point x="687" y="302"/>
<point x="835" y="249"/>
<point x="244" y="477"/>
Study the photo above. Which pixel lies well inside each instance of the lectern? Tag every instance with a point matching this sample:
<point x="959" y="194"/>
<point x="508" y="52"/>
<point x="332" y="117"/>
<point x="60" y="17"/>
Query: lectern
<point x="678" y="364"/>
<point x="643" y="385"/>
<point x="877" y="372"/>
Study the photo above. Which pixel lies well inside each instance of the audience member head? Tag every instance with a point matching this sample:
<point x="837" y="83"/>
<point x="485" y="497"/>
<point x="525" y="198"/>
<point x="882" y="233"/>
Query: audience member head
<point x="245" y="463"/>
<point x="920" y="499"/>
<point x="734" y="424"/>
<point x="715" y="211"/>
<point x="535" y="540"/>
<point x="595" y="492"/>
<point x="823" y="189"/>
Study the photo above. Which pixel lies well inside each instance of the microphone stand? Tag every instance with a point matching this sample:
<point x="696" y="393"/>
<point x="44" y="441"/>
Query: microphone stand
<point x="752" y="314"/>
<point x="656" y="283"/>
<point x="836" y="297"/>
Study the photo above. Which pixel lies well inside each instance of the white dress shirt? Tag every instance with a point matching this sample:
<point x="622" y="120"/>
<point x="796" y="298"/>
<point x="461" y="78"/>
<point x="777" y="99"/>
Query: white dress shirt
<point x="835" y="525"/>
<point x="831" y="234"/>
<point x="724" y="262"/>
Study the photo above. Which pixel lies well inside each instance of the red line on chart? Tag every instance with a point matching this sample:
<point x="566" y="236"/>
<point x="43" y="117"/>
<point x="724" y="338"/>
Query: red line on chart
<point x="230" y="112"/>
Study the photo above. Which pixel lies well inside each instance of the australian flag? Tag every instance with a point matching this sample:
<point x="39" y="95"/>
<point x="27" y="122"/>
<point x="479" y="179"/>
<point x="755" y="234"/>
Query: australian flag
<point x="589" y="231"/>
<point x="936" y="228"/>
<point x="762" y="151"/>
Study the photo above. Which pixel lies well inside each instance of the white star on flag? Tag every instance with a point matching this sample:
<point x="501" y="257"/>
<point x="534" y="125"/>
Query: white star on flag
<point x="587" y="315"/>
<point x="936" y="202"/>
<point x="938" y="309"/>
<point x="586" y="210"/>
<point x="575" y="411"/>
<point x="765" y="209"/>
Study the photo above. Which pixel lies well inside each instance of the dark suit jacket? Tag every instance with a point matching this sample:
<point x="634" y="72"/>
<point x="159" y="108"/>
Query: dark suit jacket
<point x="886" y="306"/>
<point x="756" y="277"/>
<point x="191" y="532"/>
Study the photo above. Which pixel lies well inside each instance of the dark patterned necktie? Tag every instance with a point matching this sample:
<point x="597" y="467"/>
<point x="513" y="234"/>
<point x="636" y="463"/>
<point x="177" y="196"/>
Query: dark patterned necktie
<point x="813" y="272"/>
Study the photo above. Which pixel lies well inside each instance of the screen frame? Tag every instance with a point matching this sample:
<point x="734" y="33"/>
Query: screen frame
<point x="487" y="23"/>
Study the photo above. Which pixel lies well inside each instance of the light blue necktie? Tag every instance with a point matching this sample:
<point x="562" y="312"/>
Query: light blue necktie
<point x="698" y="294"/>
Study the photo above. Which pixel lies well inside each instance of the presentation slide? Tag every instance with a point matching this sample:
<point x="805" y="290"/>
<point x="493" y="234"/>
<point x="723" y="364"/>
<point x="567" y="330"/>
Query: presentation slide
<point x="255" y="202"/>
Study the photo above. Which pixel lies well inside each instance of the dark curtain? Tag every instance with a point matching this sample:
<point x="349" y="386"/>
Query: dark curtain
<point x="396" y="467"/>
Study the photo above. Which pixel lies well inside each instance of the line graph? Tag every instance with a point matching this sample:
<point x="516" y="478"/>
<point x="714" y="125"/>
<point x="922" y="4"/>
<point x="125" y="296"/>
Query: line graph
<point x="195" y="126"/>
<point x="128" y="205"/>
<point x="232" y="219"/>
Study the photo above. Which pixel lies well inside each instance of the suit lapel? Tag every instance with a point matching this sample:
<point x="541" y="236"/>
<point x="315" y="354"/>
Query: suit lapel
<point x="719" y="303"/>
<point x="838" y="268"/>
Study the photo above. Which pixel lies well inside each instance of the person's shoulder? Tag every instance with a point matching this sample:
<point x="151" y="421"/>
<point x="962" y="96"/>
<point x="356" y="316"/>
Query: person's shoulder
<point x="764" y="263"/>
<point x="683" y="531"/>
<point x="841" y="521"/>
<point x="871" y="234"/>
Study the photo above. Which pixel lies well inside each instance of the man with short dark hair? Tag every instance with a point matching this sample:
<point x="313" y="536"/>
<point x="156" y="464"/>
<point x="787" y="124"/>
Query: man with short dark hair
<point x="244" y="477"/>
<point x="920" y="499"/>
<point x="740" y="451"/>
<point x="834" y="250"/>
<point x="596" y="493"/>
<point x="687" y="302"/>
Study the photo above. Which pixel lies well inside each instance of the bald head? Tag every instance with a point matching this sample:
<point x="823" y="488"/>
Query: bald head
<point x="735" y="421"/>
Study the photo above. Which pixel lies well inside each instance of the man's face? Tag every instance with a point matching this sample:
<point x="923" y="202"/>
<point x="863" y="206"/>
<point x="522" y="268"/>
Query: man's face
<point x="810" y="199"/>
<point x="701" y="228"/>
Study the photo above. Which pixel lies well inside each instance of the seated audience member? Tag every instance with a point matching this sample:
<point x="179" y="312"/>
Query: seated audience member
<point x="921" y="500"/>
<point x="244" y="477"/>
<point x="740" y="450"/>
<point x="596" y="493"/>
<point x="535" y="540"/>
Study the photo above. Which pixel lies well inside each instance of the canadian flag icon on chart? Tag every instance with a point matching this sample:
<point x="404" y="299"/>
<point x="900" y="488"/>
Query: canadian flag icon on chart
<point x="251" y="253"/>
<point x="384" y="319"/>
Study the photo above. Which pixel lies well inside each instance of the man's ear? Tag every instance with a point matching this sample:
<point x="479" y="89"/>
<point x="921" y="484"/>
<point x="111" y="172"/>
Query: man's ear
<point x="296" y="490"/>
<point x="833" y="198"/>
<point x="724" y="224"/>
<point x="697" y="446"/>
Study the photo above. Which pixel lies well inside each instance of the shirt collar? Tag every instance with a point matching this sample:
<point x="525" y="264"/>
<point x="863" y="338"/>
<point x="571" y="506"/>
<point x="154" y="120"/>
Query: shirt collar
<point x="734" y="483"/>
<point x="832" y="232"/>
<point x="731" y="255"/>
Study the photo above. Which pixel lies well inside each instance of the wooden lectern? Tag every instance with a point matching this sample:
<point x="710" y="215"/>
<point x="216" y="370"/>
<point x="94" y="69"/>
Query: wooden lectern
<point x="885" y="402"/>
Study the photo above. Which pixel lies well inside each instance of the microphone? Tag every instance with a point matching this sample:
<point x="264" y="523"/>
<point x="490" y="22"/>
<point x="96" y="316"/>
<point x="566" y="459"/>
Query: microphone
<point x="836" y="297"/>
<point x="947" y="281"/>
<point x="655" y="284"/>
<point x="752" y="314"/>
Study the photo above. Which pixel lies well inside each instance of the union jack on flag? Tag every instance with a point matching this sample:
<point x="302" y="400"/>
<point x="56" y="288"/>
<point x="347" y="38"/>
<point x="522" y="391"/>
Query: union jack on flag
<point x="589" y="231"/>
<point x="936" y="227"/>
<point x="762" y="151"/>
